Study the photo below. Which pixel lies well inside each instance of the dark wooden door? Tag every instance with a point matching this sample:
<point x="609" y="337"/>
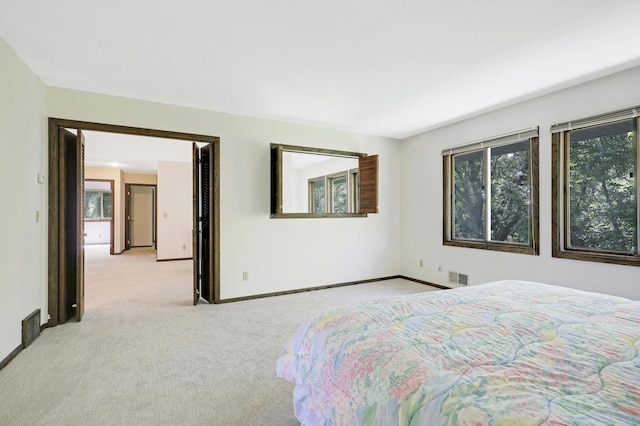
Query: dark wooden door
<point x="196" y="224"/>
<point x="71" y="239"/>
<point x="80" y="224"/>
<point x="204" y="224"/>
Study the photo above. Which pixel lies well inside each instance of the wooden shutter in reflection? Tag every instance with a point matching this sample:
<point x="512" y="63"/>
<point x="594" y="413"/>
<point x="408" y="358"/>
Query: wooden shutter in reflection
<point x="368" y="168"/>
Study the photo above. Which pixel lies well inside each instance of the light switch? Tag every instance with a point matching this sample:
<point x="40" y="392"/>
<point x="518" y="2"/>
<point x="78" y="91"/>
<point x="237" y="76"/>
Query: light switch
<point x="41" y="177"/>
<point x="165" y="214"/>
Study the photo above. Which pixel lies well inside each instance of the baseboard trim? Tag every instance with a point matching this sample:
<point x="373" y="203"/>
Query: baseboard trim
<point x="171" y="260"/>
<point x="415" y="280"/>
<point x="324" y="287"/>
<point x="11" y="356"/>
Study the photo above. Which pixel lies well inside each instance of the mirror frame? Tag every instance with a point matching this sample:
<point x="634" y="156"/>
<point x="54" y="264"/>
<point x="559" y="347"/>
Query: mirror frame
<point x="276" y="180"/>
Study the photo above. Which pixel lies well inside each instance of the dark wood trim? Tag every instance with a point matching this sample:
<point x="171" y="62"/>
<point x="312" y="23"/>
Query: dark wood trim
<point x="368" y="169"/>
<point x="113" y="220"/>
<point x="446" y="198"/>
<point x="315" y="215"/>
<point x="172" y="260"/>
<point x="493" y="246"/>
<point x="216" y="222"/>
<point x="617" y="259"/>
<point x="555" y="195"/>
<point x="534" y="157"/>
<point x="324" y="287"/>
<point x="415" y="280"/>
<point x="127" y="213"/>
<point x="14" y="353"/>
<point x="54" y="231"/>
<point x="311" y="150"/>
<point x="276" y="181"/>
<point x="113" y="128"/>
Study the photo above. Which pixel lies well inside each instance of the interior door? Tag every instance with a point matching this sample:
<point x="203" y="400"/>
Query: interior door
<point x="81" y="235"/>
<point x="71" y="239"/>
<point x="141" y="215"/>
<point x="197" y="255"/>
<point x="204" y="223"/>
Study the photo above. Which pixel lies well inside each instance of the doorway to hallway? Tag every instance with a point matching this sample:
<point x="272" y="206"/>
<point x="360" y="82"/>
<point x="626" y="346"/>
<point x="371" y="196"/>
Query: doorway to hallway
<point x="66" y="248"/>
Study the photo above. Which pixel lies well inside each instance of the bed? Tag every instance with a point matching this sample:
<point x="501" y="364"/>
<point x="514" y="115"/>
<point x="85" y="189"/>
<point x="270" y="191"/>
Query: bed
<point x="506" y="352"/>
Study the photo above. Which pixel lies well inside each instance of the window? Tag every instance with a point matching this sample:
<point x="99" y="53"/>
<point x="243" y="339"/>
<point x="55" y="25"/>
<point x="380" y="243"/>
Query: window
<point x="317" y="195"/>
<point x="97" y="205"/>
<point x="595" y="187"/>
<point x="336" y="193"/>
<point x="491" y="194"/>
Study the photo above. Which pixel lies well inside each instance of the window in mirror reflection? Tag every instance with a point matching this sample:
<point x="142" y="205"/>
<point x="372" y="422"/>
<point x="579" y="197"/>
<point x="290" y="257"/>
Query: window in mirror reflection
<point x="318" y="184"/>
<point x="334" y="193"/>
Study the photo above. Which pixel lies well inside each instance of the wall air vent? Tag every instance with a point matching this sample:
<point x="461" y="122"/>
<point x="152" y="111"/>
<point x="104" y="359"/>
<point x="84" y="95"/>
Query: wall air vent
<point x="458" y="278"/>
<point x="30" y="328"/>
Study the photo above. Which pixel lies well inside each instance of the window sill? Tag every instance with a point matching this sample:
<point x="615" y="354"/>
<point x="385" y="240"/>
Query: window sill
<point x="618" y="259"/>
<point x="315" y="215"/>
<point x="509" y="248"/>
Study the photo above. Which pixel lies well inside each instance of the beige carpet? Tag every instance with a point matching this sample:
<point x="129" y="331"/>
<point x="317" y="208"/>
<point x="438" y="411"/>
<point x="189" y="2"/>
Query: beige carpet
<point x="144" y="355"/>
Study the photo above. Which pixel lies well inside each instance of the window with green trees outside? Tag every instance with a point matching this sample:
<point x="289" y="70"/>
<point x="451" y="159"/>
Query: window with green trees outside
<point x="596" y="189"/>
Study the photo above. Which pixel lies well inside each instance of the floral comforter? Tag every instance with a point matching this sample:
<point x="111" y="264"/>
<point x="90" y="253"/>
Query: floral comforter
<point x="508" y="352"/>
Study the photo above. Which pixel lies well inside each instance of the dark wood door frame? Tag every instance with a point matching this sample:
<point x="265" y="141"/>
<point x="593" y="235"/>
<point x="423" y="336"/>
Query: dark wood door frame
<point x="127" y="213"/>
<point x="55" y="163"/>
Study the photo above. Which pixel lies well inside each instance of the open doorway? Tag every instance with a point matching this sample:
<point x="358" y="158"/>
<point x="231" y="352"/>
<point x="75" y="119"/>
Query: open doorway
<point x="98" y="212"/>
<point x="66" y="248"/>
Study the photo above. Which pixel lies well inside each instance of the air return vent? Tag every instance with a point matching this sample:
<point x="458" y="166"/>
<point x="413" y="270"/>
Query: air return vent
<point x="458" y="278"/>
<point x="30" y="328"/>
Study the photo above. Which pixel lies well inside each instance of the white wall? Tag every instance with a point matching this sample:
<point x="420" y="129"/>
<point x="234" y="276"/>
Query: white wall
<point x="97" y="232"/>
<point x="23" y="154"/>
<point x="279" y="254"/>
<point x="422" y="194"/>
<point x="175" y="210"/>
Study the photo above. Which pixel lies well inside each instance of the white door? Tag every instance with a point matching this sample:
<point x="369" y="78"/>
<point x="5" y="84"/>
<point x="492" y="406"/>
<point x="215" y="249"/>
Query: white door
<point x="142" y="215"/>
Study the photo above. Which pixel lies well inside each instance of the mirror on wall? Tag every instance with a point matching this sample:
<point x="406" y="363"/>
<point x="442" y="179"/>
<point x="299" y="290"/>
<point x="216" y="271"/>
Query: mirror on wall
<point x="313" y="182"/>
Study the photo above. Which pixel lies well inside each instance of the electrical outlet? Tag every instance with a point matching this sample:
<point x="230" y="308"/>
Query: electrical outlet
<point x="245" y="276"/>
<point x="421" y="263"/>
<point x="184" y="247"/>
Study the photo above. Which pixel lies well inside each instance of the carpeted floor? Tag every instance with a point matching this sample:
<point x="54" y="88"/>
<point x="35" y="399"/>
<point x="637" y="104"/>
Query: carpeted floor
<point x="144" y="355"/>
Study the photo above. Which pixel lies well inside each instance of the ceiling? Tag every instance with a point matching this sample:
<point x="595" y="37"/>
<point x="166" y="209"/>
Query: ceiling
<point x="131" y="153"/>
<point x="379" y="67"/>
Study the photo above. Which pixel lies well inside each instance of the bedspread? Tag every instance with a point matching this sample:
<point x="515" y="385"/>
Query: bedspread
<point x="508" y="352"/>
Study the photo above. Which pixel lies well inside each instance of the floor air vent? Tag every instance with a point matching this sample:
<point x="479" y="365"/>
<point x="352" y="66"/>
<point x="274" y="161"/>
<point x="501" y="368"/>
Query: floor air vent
<point x="458" y="278"/>
<point x="30" y="328"/>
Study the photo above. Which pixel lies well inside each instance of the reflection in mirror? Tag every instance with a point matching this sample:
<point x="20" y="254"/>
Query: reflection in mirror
<point x="314" y="182"/>
<point x="317" y="183"/>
